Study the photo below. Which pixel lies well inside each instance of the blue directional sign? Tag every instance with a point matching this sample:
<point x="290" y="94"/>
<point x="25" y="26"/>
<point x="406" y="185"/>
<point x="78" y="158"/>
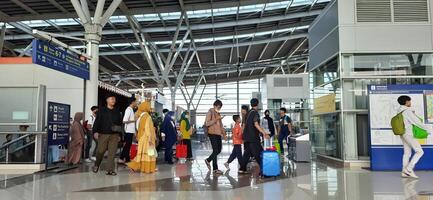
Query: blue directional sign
<point x="58" y="123"/>
<point x="53" y="57"/>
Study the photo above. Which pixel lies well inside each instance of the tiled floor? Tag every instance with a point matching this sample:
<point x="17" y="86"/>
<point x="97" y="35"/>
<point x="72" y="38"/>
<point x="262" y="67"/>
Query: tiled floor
<point x="191" y="180"/>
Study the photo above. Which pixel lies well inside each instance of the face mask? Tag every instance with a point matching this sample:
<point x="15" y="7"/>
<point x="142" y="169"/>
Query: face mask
<point x="267" y="115"/>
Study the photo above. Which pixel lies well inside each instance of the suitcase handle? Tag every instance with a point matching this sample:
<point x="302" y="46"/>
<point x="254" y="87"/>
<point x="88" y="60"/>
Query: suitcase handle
<point x="267" y="141"/>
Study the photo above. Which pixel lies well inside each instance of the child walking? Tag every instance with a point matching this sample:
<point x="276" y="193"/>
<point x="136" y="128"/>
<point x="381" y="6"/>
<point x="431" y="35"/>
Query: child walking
<point x="409" y="142"/>
<point x="237" y="142"/>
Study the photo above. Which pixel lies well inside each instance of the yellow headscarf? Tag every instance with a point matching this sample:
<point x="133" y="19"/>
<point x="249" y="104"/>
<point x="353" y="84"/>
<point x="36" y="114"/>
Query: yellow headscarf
<point x="143" y="107"/>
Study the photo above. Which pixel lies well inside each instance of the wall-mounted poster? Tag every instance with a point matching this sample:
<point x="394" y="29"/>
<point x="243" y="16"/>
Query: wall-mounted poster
<point x="386" y="149"/>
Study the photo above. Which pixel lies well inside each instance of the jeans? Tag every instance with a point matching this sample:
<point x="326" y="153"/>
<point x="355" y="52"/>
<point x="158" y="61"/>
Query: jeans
<point x="89" y="140"/>
<point x="252" y="149"/>
<point x="281" y="137"/>
<point x="125" y="155"/>
<point x="410" y="143"/>
<point x="187" y="142"/>
<point x="216" y="142"/>
<point x="107" y="142"/>
<point x="236" y="153"/>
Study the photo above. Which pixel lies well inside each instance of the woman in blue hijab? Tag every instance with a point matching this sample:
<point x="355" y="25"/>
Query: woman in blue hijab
<point x="169" y="129"/>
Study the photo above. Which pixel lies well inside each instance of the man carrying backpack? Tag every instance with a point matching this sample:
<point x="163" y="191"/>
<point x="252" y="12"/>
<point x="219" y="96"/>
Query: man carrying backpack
<point x="409" y="142"/>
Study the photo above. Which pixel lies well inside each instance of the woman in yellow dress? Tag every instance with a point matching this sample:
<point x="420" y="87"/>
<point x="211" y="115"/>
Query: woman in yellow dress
<point x="145" y="161"/>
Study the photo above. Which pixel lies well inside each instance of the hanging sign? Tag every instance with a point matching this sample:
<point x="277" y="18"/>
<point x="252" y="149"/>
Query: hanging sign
<point x="53" y="57"/>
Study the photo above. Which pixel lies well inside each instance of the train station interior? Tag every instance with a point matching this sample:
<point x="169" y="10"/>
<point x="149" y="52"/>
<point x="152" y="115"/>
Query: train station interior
<point x="216" y="99"/>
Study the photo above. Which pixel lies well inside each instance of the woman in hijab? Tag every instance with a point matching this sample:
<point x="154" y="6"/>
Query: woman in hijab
<point x="268" y="125"/>
<point x="169" y="130"/>
<point x="145" y="161"/>
<point x="186" y="130"/>
<point x="75" y="146"/>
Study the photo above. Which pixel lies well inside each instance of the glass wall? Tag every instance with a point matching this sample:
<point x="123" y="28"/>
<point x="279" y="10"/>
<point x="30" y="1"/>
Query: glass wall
<point x="346" y="130"/>
<point x="326" y="126"/>
<point x="226" y="92"/>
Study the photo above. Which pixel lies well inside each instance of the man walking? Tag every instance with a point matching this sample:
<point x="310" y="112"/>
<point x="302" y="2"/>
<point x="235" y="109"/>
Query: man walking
<point x="251" y="136"/>
<point x="108" y="129"/>
<point x="89" y="135"/>
<point x="285" y="128"/>
<point x="129" y="121"/>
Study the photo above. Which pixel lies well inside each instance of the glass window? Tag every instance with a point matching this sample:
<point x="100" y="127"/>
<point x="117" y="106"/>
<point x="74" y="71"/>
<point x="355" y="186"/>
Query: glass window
<point x="388" y="64"/>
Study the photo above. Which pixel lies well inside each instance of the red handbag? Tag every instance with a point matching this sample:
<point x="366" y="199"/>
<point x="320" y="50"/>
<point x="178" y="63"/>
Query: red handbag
<point x="133" y="151"/>
<point x="181" y="150"/>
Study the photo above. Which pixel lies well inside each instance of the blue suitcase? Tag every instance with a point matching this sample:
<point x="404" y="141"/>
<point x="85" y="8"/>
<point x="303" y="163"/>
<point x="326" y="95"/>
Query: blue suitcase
<point x="271" y="163"/>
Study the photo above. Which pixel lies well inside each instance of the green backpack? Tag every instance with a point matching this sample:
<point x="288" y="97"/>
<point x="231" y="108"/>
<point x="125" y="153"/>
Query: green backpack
<point x="397" y="124"/>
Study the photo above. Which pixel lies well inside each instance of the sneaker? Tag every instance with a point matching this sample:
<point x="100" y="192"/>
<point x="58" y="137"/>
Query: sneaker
<point x="208" y="165"/>
<point x="410" y="173"/>
<point x="227" y="166"/>
<point x="93" y="158"/>
<point x="217" y="172"/>
<point x="88" y="160"/>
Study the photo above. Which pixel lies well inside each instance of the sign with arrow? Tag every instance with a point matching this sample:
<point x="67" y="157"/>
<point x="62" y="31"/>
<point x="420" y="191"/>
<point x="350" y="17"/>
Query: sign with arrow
<point x="58" y="123"/>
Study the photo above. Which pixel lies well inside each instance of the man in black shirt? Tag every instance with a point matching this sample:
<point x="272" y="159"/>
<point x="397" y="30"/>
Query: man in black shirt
<point x="251" y="136"/>
<point x="107" y="129"/>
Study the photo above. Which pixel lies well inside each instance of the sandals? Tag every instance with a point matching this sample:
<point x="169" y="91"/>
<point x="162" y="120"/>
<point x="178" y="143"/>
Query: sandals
<point x="111" y="173"/>
<point x="95" y="169"/>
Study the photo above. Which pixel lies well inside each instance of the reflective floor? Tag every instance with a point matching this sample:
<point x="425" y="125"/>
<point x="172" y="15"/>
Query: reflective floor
<point x="191" y="180"/>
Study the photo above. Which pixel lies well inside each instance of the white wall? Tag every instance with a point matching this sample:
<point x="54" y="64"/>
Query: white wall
<point x="382" y="37"/>
<point x="61" y="87"/>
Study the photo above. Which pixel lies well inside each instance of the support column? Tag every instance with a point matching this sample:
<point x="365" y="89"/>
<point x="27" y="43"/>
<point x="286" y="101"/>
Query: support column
<point x="216" y="91"/>
<point x="2" y="38"/>
<point x="237" y="86"/>
<point x="92" y="83"/>
<point x="173" y="101"/>
<point x="93" y="35"/>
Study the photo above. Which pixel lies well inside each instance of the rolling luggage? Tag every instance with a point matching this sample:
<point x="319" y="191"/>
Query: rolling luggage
<point x="271" y="165"/>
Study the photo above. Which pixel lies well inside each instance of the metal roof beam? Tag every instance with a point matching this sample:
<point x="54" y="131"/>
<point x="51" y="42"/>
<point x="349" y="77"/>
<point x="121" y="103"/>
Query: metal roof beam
<point x="25" y="7"/>
<point x="137" y="11"/>
<point x="223" y="46"/>
<point x="211" y="72"/>
<point x="193" y="26"/>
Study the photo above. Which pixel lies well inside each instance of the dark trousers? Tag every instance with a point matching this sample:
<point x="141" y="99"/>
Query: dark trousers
<point x="236" y="153"/>
<point x="216" y="142"/>
<point x="107" y="142"/>
<point x="251" y="149"/>
<point x="281" y="138"/>
<point x="89" y="140"/>
<point x="168" y="155"/>
<point x="187" y="142"/>
<point x="127" y="147"/>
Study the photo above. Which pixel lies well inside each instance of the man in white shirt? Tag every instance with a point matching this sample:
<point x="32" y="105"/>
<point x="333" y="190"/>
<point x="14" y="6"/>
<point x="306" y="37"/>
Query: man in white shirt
<point x="129" y="121"/>
<point x="409" y="142"/>
<point x="89" y="135"/>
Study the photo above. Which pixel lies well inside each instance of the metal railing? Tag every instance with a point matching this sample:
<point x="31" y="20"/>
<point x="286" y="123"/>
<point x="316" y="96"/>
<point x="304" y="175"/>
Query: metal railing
<point x="22" y="136"/>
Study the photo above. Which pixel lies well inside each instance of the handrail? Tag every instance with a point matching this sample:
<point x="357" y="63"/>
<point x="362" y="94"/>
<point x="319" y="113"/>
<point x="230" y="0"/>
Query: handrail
<point x="23" y="132"/>
<point x="18" y="149"/>
<point x="14" y="141"/>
